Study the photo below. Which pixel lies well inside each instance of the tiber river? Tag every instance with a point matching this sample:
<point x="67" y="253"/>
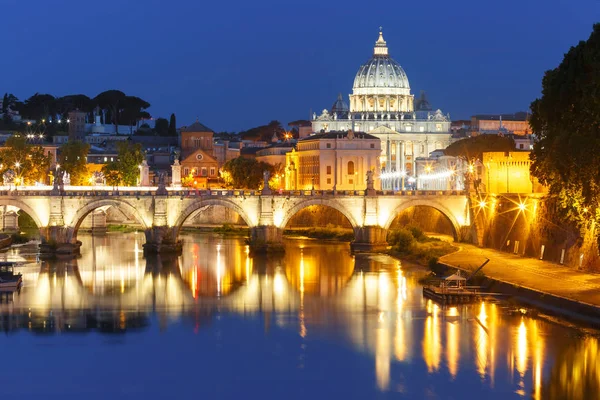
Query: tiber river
<point x="317" y="323"/>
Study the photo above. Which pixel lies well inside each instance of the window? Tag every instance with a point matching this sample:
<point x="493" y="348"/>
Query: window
<point x="372" y="145"/>
<point x="350" y="167"/>
<point x="329" y="170"/>
<point x="408" y="128"/>
<point x="328" y="145"/>
<point x="438" y="127"/>
<point x="186" y="171"/>
<point x="351" y="181"/>
<point x="204" y="171"/>
<point x="521" y="145"/>
<point x="329" y="181"/>
<point x="212" y="171"/>
<point x="422" y="128"/>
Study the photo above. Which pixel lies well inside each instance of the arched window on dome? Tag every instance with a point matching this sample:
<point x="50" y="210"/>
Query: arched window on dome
<point x="350" y="167"/>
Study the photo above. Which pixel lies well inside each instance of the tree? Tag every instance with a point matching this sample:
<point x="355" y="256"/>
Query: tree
<point x="112" y="101"/>
<point x="172" y="126"/>
<point x="73" y="160"/>
<point x="264" y="132"/>
<point x="29" y="162"/>
<point x="161" y="126"/>
<point x="133" y="111"/>
<point x="473" y="148"/>
<point x="245" y="173"/>
<point x="125" y="170"/>
<point x="566" y="124"/>
<point x="39" y="107"/>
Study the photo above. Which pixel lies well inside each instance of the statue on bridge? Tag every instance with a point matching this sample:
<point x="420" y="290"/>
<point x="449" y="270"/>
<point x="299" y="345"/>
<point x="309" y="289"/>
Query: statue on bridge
<point x="162" y="188"/>
<point x="8" y="178"/>
<point x="266" y="176"/>
<point x="370" y="183"/>
<point x="66" y="178"/>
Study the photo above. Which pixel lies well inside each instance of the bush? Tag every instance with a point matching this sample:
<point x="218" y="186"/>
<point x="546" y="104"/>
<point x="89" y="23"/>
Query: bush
<point x="432" y="263"/>
<point x="401" y="240"/>
<point x="417" y="233"/>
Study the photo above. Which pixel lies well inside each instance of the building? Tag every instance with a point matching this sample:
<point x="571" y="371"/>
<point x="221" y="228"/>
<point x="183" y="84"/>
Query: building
<point x="76" y="124"/>
<point x="517" y="124"/>
<point x="382" y="105"/>
<point x="333" y="161"/>
<point x="197" y="158"/>
<point x="275" y="154"/>
<point x="508" y="173"/>
<point x="225" y="150"/>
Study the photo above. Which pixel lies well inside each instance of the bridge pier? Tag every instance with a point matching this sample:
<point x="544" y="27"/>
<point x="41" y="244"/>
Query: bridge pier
<point x="369" y="238"/>
<point x="162" y="240"/>
<point x="266" y="239"/>
<point x="56" y="242"/>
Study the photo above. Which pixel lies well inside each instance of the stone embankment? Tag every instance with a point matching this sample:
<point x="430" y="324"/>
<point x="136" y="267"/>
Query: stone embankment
<point x="554" y="288"/>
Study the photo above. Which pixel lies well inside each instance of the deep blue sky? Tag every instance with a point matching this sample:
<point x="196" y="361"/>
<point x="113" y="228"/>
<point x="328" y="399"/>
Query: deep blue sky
<point x="237" y="64"/>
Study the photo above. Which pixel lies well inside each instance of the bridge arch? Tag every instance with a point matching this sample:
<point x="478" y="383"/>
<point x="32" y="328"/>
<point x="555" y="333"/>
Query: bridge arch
<point x="196" y="205"/>
<point x="88" y="208"/>
<point x="446" y="212"/>
<point x="39" y="217"/>
<point x="289" y="214"/>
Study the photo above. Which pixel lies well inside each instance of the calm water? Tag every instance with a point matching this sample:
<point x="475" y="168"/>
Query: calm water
<point x="316" y="323"/>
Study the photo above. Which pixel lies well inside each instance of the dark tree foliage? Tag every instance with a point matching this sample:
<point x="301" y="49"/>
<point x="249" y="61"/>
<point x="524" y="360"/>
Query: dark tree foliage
<point x="172" y="126"/>
<point x="264" y="132"/>
<point x="38" y="107"/>
<point x="566" y="123"/>
<point x="161" y="127"/>
<point x="472" y="148"/>
<point x="245" y="173"/>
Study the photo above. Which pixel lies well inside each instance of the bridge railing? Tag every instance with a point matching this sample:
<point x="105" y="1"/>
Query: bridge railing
<point x="85" y="191"/>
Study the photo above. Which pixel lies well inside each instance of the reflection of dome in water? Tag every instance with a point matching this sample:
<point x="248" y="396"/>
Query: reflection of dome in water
<point x="314" y="273"/>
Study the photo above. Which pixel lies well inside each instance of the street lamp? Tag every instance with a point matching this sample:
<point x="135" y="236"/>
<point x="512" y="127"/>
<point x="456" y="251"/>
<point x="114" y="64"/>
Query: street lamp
<point x="355" y="178"/>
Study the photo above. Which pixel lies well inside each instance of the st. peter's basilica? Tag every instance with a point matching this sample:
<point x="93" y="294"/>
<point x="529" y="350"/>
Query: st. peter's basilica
<point x="382" y="105"/>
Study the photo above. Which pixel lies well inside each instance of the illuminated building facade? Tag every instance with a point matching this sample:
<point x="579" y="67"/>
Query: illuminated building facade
<point x="508" y="173"/>
<point x="382" y="105"/>
<point x="197" y="154"/>
<point x="333" y="161"/>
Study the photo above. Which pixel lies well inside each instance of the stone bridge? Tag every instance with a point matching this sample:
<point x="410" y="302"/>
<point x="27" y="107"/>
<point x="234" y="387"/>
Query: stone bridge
<point x="161" y="212"/>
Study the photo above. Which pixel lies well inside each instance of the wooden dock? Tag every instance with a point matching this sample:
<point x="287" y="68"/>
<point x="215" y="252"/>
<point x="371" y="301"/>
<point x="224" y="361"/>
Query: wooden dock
<point x="447" y="295"/>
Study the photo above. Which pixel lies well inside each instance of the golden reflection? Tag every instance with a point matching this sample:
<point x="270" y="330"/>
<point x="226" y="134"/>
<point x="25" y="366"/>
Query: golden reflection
<point x="399" y="338"/>
<point x="382" y="357"/>
<point x="575" y="374"/>
<point x="481" y="342"/>
<point x="431" y="338"/>
<point x="325" y="269"/>
<point x="452" y="350"/>
<point x="522" y="348"/>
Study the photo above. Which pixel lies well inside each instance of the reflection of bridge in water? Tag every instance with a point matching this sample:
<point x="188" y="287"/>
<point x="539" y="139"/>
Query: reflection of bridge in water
<point x="369" y="302"/>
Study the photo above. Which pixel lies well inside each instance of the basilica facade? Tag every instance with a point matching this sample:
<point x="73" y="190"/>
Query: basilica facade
<point x="381" y="104"/>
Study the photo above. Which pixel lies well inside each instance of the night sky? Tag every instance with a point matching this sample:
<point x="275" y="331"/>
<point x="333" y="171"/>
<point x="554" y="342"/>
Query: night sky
<point x="238" y="64"/>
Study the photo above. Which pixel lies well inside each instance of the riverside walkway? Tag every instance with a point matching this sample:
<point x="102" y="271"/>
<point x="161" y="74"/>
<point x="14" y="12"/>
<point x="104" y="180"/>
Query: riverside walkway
<point x="542" y="276"/>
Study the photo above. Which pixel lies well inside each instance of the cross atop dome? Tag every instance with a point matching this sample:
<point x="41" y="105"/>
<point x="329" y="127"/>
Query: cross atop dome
<point x="380" y="45"/>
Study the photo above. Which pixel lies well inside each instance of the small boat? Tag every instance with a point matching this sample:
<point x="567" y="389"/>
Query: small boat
<point x="9" y="281"/>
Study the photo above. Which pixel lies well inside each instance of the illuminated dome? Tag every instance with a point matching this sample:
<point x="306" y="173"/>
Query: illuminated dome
<point x="380" y="86"/>
<point x="381" y="72"/>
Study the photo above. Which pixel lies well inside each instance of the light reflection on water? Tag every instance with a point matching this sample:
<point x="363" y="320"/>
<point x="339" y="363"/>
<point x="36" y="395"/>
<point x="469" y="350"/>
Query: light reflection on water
<point x="369" y="305"/>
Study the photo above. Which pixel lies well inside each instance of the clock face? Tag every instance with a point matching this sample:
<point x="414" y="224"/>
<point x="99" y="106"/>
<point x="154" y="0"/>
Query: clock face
<point x="199" y="157"/>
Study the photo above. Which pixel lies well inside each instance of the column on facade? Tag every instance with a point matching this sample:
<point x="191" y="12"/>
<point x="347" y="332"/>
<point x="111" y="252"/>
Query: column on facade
<point x="388" y="156"/>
